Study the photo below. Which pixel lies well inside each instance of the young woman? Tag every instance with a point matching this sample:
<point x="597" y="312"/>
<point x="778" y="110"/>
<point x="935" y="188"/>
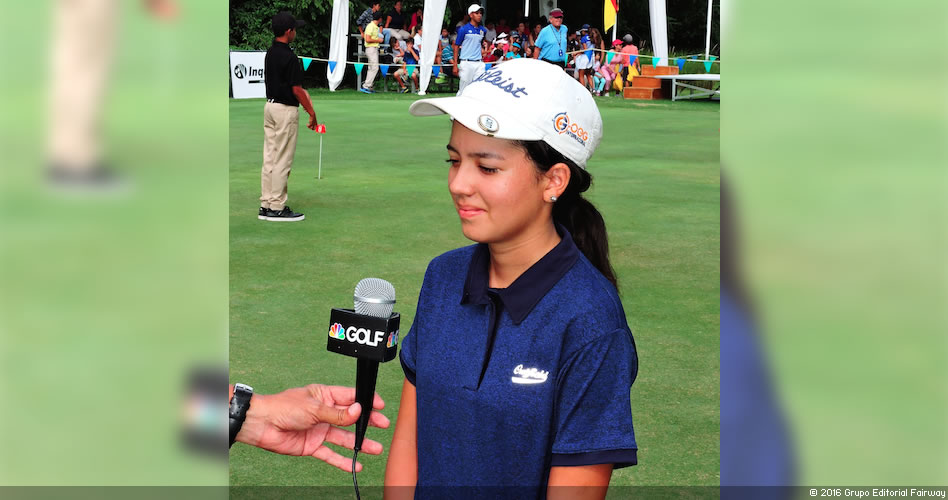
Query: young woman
<point x="519" y="360"/>
<point x="584" y="60"/>
<point x="534" y="34"/>
<point x="595" y="36"/>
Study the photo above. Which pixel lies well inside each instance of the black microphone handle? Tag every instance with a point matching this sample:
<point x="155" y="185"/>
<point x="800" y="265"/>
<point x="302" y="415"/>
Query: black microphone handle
<point x="366" y="374"/>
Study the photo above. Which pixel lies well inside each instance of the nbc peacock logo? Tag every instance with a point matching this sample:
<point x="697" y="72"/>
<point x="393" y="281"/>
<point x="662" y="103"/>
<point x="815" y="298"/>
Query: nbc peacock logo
<point x="337" y="332"/>
<point x="392" y="339"/>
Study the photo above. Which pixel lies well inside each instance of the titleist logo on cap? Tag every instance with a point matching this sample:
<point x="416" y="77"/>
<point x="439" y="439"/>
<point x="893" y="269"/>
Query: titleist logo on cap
<point x="496" y="78"/>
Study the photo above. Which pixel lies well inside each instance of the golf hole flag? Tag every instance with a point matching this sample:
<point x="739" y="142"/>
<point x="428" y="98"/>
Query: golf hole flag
<point x="610" y="9"/>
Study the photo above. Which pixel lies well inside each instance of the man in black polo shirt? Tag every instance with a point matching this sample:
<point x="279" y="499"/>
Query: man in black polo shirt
<point x="395" y="24"/>
<point x="284" y="79"/>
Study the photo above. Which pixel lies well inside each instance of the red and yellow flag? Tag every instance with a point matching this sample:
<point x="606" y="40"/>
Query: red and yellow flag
<point x="609" y="13"/>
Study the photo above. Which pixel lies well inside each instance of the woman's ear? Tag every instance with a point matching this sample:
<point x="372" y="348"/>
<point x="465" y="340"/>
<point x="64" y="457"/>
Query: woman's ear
<point x="557" y="178"/>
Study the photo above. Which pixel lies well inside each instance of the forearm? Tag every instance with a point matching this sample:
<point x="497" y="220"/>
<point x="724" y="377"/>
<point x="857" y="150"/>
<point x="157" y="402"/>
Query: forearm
<point x="401" y="471"/>
<point x="303" y="96"/>
<point x="585" y="482"/>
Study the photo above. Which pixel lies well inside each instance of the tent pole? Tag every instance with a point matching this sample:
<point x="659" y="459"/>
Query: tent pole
<point x="707" y="40"/>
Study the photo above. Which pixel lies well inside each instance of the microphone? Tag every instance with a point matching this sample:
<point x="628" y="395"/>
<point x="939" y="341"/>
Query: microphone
<point x="369" y="333"/>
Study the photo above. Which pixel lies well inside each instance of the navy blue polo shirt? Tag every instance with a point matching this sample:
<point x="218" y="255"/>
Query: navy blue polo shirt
<point x="511" y="382"/>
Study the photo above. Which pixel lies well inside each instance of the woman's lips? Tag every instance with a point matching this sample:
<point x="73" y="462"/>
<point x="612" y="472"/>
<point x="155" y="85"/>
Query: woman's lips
<point x="469" y="212"/>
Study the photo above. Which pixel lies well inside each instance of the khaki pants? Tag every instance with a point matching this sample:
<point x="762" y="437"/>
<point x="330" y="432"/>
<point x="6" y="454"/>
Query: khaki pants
<point x="372" y="53"/>
<point x="280" y="128"/>
<point x="82" y="51"/>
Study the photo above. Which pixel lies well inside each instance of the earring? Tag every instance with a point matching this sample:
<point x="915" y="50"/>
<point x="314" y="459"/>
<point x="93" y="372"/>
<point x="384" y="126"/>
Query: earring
<point x="553" y="198"/>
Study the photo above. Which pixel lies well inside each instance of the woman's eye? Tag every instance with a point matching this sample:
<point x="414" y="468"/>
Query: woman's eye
<point x="488" y="170"/>
<point x="453" y="162"/>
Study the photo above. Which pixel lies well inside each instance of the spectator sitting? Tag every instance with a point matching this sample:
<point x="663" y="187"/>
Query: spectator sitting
<point x="599" y="80"/>
<point x="491" y="33"/>
<point x="395" y="53"/>
<point x="416" y="20"/>
<point x="494" y="55"/>
<point x="607" y="71"/>
<point x="417" y="39"/>
<point x="522" y="32"/>
<point x="395" y="24"/>
<point x="502" y="42"/>
<point x="410" y="58"/>
<point x="502" y="26"/>
<point x="447" y="56"/>
<point x="514" y="52"/>
<point x="366" y="17"/>
<point x="629" y="49"/>
<point x="528" y="52"/>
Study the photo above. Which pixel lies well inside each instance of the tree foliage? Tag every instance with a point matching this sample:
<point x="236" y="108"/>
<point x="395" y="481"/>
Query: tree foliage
<point x="250" y="24"/>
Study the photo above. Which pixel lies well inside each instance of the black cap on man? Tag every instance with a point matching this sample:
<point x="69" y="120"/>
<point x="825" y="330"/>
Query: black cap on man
<point x="285" y="21"/>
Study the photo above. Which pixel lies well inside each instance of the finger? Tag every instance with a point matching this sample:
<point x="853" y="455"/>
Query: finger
<point x="337" y="416"/>
<point x="346" y="439"/>
<point x="376" y="419"/>
<point x="325" y="454"/>
<point x="342" y="395"/>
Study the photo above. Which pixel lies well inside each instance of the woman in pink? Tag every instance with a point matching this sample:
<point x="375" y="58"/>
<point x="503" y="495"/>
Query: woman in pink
<point x="606" y="69"/>
<point x="629" y="49"/>
<point x="416" y="19"/>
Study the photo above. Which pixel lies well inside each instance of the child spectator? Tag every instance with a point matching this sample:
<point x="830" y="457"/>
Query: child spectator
<point x="410" y="58"/>
<point x="514" y="52"/>
<point x="417" y="39"/>
<point x="607" y="70"/>
<point x="599" y="80"/>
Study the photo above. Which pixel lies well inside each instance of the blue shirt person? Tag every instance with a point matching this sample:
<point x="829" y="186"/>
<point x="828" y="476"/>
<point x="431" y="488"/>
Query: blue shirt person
<point x="467" y="48"/>
<point x="469" y="42"/>
<point x="519" y="361"/>
<point x="551" y="42"/>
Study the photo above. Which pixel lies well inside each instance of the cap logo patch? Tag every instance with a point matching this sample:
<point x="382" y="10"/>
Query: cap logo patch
<point x="496" y="78"/>
<point x="488" y="123"/>
<point x="562" y="125"/>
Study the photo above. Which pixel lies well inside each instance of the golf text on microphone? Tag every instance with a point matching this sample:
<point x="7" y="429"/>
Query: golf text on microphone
<point x="362" y="336"/>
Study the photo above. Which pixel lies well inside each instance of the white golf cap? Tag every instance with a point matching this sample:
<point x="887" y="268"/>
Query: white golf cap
<point x="474" y="8"/>
<point x="526" y="100"/>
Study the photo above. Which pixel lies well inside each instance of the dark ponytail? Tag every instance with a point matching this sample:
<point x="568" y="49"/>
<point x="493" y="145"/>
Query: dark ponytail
<point x="574" y="212"/>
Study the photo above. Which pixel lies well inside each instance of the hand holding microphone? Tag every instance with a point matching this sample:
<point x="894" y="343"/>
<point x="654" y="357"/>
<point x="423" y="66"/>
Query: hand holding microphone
<point x="299" y="421"/>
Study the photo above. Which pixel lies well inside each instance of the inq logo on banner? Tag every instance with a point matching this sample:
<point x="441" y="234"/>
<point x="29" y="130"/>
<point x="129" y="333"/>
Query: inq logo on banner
<point x="241" y="71"/>
<point x="246" y="74"/>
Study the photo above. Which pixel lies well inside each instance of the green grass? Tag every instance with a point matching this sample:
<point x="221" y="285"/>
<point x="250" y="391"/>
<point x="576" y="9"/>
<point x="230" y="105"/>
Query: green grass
<point x="382" y="209"/>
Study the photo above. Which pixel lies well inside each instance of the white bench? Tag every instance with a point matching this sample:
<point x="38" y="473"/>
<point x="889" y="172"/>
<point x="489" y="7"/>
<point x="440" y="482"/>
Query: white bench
<point x="701" y="92"/>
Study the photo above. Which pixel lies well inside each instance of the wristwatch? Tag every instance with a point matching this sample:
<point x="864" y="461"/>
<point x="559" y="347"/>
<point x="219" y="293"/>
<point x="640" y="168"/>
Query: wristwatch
<point x="239" y="404"/>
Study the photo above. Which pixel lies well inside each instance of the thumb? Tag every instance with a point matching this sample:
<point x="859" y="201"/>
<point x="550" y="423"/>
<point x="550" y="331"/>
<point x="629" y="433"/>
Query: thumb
<point x="338" y="416"/>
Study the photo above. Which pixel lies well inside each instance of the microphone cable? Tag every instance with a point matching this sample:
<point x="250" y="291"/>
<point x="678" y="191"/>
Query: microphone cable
<point x="355" y="482"/>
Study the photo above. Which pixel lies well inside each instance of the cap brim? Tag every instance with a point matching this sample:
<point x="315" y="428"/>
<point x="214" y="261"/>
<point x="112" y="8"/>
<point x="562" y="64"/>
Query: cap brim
<point x="466" y="111"/>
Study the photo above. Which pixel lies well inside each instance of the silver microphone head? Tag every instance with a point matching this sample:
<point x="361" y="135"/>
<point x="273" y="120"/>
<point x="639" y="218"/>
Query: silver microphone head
<point x="374" y="297"/>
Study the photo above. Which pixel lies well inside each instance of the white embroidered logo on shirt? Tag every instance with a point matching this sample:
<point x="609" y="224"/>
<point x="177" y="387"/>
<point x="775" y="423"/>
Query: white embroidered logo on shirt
<point x="528" y="375"/>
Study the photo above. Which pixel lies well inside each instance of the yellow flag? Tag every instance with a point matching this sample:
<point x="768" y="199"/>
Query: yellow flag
<point x="610" y="9"/>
